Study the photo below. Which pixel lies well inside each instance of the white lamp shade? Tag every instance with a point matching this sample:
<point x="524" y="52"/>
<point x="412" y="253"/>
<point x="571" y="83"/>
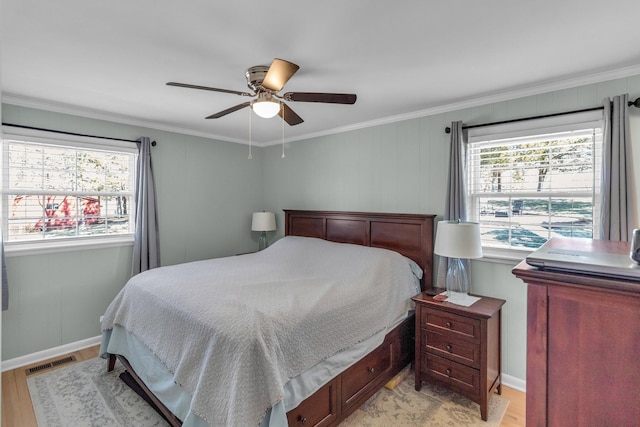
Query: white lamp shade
<point x="266" y="109"/>
<point x="458" y="240"/>
<point x="263" y="221"/>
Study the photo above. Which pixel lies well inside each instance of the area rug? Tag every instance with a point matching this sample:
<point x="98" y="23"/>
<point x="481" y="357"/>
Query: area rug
<point x="432" y="406"/>
<point x="85" y="394"/>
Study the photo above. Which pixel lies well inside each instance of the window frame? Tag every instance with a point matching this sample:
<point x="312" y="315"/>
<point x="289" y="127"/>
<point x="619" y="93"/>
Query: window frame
<point x="44" y="246"/>
<point x="524" y="128"/>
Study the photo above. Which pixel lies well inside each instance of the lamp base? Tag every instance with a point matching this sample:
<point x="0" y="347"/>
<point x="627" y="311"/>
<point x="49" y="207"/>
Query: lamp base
<point x="457" y="279"/>
<point x="262" y="241"/>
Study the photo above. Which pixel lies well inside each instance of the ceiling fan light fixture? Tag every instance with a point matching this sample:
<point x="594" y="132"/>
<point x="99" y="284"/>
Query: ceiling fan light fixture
<point x="265" y="109"/>
<point x="266" y="82"/>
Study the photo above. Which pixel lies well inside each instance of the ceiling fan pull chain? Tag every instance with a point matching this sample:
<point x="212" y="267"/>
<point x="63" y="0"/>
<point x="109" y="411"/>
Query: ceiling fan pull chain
<point x="250" y="156"/>
<point x="282" y="121"/>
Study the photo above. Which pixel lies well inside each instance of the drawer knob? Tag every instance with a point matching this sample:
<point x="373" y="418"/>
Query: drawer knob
<point x="449" y="325"/>
<point x="303" y="420"/>
<point x="449" y="348"/>
<point x="372" y="370"/>
<point x="448" y="371"/>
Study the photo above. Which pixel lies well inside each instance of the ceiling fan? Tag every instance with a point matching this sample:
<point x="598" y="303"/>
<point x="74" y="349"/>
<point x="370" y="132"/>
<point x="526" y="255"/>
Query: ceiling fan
<point x="266" y="82"/>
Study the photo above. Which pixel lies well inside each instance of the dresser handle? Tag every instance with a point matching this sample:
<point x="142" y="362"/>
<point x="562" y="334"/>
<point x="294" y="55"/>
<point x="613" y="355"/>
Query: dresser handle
<point x="371" y="370"/>
<point x="449" y="325"/>
<point x="303" y="420"/>
<point x="449" y="348"/>
<point x="448" y="371"/>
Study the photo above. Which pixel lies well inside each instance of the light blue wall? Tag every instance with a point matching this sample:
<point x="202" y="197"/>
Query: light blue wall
<point x="0" y="233"/>
<point x="207" y="191"/>
<point x="402" y="167"/>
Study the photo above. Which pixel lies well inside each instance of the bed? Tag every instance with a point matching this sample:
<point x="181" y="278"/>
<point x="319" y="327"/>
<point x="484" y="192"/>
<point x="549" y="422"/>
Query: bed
<point x="267" y="374"/>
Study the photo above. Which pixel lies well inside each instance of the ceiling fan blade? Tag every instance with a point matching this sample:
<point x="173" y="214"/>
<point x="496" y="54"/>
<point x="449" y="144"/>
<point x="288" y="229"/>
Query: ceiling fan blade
<point x="331" y="98"/>
<point x="214" y="89"/>
<point x="279" y="74"/>
<point x="228" y="110"/>
<point x="289" y="116"/>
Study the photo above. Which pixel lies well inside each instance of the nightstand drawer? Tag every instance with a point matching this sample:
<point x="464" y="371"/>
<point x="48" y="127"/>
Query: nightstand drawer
<point x="453" y="324"/>
<point x="463" y="378"/>
<point x="447" y="346"/>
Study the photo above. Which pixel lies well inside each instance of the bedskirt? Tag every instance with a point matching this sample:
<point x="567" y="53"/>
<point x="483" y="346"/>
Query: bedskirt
<point x="159" y="379"/>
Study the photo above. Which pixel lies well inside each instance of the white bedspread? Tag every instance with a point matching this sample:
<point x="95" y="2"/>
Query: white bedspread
<point x="234" y="330"/>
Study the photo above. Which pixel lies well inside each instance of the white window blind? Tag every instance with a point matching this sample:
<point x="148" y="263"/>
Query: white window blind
<point x="55" y="190"/>
<point x="526" y="186"/>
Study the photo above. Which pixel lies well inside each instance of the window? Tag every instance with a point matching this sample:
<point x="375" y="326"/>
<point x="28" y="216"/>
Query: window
<point x="527" y="186"/>
<point x="66" y="190"/>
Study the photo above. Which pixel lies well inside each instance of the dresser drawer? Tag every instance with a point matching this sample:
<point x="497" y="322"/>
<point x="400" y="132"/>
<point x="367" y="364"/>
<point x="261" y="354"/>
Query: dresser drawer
<point x="449" y="347"/>
<point x="318" y="410"/>
<point x="460" y="377"/>
<point x="454" y="324"/>
<point x="358" y="378"/>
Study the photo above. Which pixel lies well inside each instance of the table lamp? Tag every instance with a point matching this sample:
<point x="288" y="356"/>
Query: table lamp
<point x="458" y="240"/>
<point x="263" y="222"/>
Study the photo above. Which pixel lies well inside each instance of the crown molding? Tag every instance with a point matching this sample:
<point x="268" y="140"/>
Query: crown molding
<point x="58" y="107"/>
<point x="507" y="95"/>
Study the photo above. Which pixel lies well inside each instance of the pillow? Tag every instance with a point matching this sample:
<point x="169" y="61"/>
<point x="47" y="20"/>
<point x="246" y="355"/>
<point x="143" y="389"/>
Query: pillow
<point x="415" y="268"/>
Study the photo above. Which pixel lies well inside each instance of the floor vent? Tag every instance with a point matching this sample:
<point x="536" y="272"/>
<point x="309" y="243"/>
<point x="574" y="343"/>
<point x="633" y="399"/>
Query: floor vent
<point x="50" y="365"/>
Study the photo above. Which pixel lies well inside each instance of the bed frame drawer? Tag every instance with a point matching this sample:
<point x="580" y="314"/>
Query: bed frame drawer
<point x="319" y="410"/>
<point x="362" y="376"/>
<point x="354" y="386"/>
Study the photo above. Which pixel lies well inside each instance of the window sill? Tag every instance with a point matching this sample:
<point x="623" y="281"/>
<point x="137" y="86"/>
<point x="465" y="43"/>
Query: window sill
<point x="504" y="256"/>
<point x="38" y="248"/>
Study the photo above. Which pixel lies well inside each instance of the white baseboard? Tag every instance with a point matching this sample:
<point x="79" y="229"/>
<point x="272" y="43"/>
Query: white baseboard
<point x="515" y="383"/>
<point x="38" y="356"/>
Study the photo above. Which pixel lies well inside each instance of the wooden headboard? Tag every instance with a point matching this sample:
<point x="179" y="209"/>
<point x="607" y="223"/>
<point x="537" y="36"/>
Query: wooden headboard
<point x="408" y="234"/>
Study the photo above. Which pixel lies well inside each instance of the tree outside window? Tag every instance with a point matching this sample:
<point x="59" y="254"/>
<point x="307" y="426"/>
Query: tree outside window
<point x="525" y="190"/>
<point x="53" y="191"/>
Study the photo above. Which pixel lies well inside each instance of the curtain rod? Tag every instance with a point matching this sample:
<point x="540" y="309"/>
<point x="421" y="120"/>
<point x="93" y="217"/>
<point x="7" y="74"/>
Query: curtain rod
<point x="153" y="143"/>
<point x="635" y="103"/>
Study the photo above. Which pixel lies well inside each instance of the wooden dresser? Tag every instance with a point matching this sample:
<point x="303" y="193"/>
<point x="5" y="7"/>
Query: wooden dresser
<point x="459" y="347"/>
<point x="583" y="344"/>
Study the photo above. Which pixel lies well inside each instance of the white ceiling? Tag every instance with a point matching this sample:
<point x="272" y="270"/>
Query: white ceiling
<point x="111" y="59"/>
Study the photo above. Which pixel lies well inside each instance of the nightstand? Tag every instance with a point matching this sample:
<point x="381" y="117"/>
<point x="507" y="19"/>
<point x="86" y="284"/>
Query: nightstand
<point x="459" y="347"/>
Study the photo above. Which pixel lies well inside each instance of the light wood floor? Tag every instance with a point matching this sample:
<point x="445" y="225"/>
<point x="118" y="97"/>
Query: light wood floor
<point x="18" y="412"/>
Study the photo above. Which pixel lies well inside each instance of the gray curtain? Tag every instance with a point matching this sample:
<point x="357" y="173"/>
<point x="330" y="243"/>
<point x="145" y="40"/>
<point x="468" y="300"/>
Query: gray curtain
<point x="146" y="246"/>
<point x="5" y="283"/>
<point x="616" y="209"/>
<point x="456" y="202"/>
